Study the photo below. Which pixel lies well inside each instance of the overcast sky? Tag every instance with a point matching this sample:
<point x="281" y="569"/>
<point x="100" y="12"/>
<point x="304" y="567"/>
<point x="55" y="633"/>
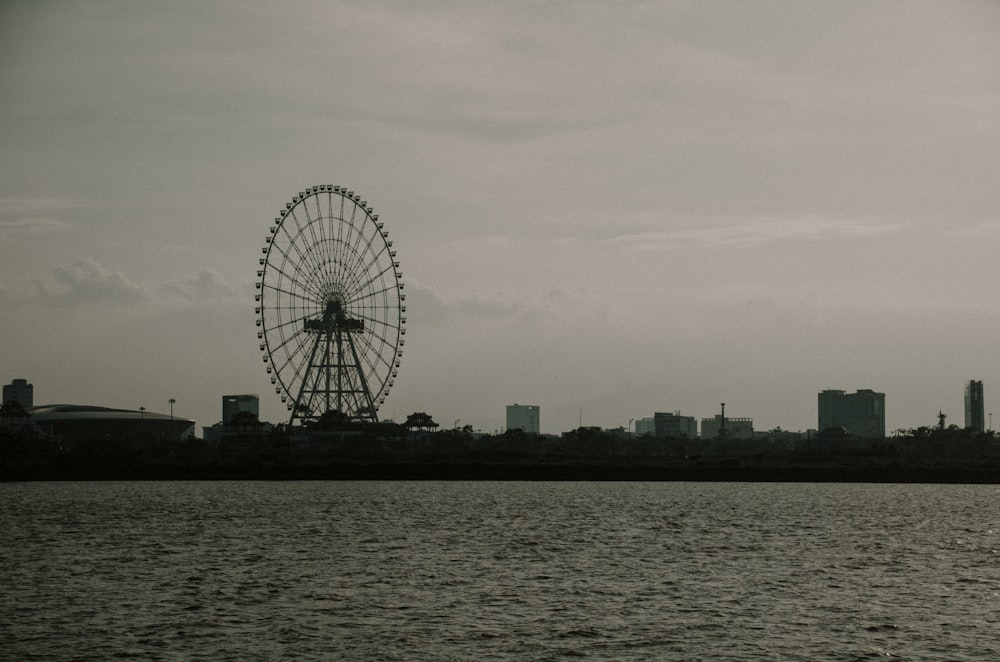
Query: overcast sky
<point x="605" y="209"/>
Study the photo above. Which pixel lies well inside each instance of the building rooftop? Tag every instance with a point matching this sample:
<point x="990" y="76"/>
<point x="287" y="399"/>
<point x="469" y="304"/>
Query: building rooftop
<point x="90" y="412"/>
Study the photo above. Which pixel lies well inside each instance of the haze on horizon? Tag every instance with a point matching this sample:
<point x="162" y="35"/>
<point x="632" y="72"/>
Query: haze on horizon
<point x="603" y="209"/>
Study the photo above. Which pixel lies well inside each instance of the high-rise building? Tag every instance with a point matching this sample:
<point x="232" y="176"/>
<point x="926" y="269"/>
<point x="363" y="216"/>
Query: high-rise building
<point x="975" y="417"/>
<point x="862" y="413"/>
<point x="674" y="426"/>
<point x="21" y="392"/>
<point x="523" y="417"/>
<point x="232" y="404"/>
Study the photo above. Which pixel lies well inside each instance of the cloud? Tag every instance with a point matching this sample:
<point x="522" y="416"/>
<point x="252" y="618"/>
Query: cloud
<point x="758" y="234"/>
<point x="14" y="206"/>
<point x="29" y="226"/>
<point x="21" y="217"/>
<point x="432" y="308"/>
<point x="207" y="285"/>
<point x="88" y="281"/>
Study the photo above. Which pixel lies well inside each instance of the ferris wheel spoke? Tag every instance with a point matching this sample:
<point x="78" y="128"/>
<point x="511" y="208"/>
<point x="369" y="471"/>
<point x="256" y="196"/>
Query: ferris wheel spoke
<point x="343" y="262"/>
<point x="345" y="258"/>
<point x="349" y="255"/>
<point x="295" y="355"/>
<point x="336" y="262"/>
<point x="373" y="368"/>
<point x="308" y="289"/>
<point x="286" y="374"/>
<point x="328" y="272"/>
<point x="375" y="315"/>
<point x="377" y="252"/>
<point x="359" y="246"/>
<point x="291" y="241"/>
<point x="327" y="236"/>
<point x="345" y="230"/>
<point x="373" y="264"/>
<point x="299" y="292"/>
<point x="305" y="263"/>
<point x="309" y="218"/>
<point x="362" y="280"/>
<point x="371" y="341"/>
<point x="290" y="340"/>
<point x="321" y="217"/>
<point x="301" y="236"/>
<point x="339" y="217"/>
<point x="360" y="263"/>
<point x="328" y="247"/>
<point x="300" y="297"/>
<point x="320" y="276"/>
<point x="322" y="269"/>
<point x="388" y="333"/>
<point x="368" y="278"/>
<point x="353" y="245"/>
<point x="293" y="278"/>
<point x="386" y="289"/>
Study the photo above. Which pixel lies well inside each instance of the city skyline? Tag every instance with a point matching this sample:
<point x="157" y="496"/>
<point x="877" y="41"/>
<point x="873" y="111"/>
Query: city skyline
<point x="527" y="417"/>
<point x="606" y="211"/>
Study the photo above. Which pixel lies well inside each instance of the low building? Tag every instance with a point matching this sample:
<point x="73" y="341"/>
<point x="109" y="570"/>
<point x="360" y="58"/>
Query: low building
<point x="218" y="433"/>
<point x="718" y="427"/>
<point x="240" y="418"/>
<point x="234" y="404"/>
<point x="645" y="426"/>
<point x="674" y="426"/>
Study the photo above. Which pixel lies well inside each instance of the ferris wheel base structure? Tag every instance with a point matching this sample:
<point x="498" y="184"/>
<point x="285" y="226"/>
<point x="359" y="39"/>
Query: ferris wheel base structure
<point x="330" y="307"/>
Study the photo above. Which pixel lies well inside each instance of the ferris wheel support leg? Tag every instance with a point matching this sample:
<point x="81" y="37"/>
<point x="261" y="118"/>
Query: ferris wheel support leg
<point x="364" y="382"/>
<point x="340" y="371"/>
<point x="302" y="387"/>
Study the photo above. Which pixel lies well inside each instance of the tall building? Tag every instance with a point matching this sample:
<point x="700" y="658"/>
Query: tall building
<point x="21" y="392"/>
<point x="523" y="417"/>
<point x="674" y="426"/>
<point x="231" y="404"/>
<point x="975" y="417"/>
<point x="861" y="414"/>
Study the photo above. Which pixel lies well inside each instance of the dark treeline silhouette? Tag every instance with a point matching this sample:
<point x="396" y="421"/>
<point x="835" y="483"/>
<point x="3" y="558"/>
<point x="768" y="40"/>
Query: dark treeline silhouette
<point x="335" y="447"/>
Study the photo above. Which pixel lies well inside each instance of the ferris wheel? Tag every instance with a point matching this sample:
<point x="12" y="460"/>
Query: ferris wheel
<point x="330" y="311"/>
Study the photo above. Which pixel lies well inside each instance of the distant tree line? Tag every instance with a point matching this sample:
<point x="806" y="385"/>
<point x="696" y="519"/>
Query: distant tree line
<point x="335" y="438"/>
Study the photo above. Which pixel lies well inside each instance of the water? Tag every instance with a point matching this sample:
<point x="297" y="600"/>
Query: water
<point x="498" y="571"/>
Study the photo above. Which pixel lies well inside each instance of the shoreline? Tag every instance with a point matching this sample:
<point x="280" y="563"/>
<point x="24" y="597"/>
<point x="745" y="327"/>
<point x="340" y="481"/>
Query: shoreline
<point x="466" y="471"/>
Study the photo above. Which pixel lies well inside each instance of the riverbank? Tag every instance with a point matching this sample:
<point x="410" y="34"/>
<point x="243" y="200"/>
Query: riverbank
<point x="466" y="471"/>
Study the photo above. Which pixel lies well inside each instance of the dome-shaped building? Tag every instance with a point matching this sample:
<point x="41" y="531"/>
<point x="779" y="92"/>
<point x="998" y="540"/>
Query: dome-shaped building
<point x="84" y="423"/>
